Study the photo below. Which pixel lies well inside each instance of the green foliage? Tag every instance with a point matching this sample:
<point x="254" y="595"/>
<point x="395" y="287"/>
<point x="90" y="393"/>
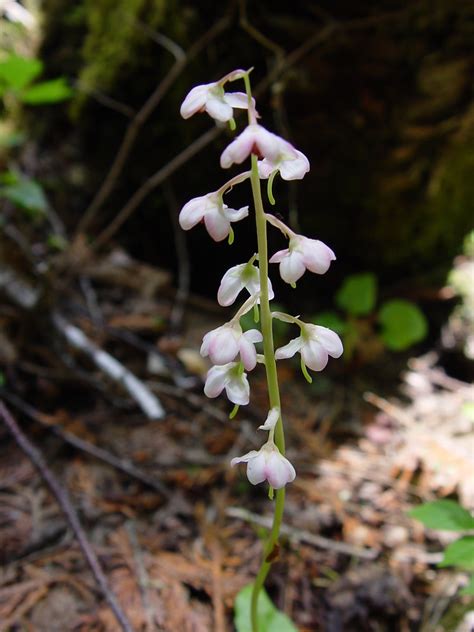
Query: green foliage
<point x="358" y="294"/>
<point x="403" y="324"/>
<point x="460" y="553"/>
<point x="18" y="72"/>
<point x="23" y="192"/>
<point x="444" y="515"/>
<point x="47" y="92"/>
<point x="450" y="516"/>
<point x="16" y="75"/>
<point x="270" y="619"/>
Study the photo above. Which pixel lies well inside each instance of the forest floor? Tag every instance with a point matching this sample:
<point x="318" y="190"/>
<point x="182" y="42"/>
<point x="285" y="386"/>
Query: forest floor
<point x="177" y="531"/>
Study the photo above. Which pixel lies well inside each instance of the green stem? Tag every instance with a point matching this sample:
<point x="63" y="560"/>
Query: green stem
<point x="270" y="367"/>
<point x="272" y="381"/>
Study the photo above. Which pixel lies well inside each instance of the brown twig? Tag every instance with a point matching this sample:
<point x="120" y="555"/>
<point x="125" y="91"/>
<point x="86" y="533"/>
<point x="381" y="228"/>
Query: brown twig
<point x="86" y="447"/>
<point x="64" y="502"/>
<point x="154" y="181"/>
<point x="298" y="535"/>
<point x="140" y="119"/>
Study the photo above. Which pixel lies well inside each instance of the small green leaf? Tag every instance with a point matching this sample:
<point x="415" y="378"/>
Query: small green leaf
<point x="331" y="320"/>
<point x="469" y="589"/>
<point x="47" y="92"/>
<point x="358" y="294"/>
<point x="18" y="72"/>
<point x="270" y="619"/>
<point x="460" y="553"/>
<point x="446" y="515"/>
<point x="26" y="194"/>
<point x="403" y="324"/>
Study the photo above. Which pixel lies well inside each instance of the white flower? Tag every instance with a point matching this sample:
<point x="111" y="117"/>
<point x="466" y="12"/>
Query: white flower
<point x="211" y="98"/>
<point x="290" y="167"/>
<point x="303" y="254"/>
<point x="315" y="344"/>
<point x="271" y="420"/>
<point x="267" y="464"/>
<point x="231" y="378"/>
<point x="223" y="344"/>
<point x="244" y="275"/>
<point x="216" y="215"/>
<point x="255" y="139"/>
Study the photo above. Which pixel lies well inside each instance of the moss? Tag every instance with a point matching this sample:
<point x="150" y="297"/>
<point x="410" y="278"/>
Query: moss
<point x="113" y="38"/>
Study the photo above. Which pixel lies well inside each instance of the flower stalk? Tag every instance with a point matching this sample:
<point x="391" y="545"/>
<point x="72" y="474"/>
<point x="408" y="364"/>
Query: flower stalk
<point x="231" y="350"/>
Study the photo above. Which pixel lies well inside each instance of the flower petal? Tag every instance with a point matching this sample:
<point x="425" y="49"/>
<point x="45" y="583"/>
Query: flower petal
<point x="245" y="458"/>
<point x="296" y="168"/>
<point x="329" y="340"/>
<point x="248" y="354"/>
<point x="314" y="355"/>
<point x="279" y="471"/>
<point x="238" y="389"/>
<point x="271" y="420"/>
<point x="231" y="285"/>
<point x="292" y="267"/>
<point x="223" y="347"/>
<point x="253" y="335"/>
<point x="237" y="100"/>
<point x="216" y="380"/>
<point x="279" y="256"/>
<point x="218" y="226"/>
<point x="234" y="215"/>
<point x="289" y="350"/>
<point x="195" y="100"/>
<point x="192" y="212"/>
<point x="317" y="256"/>
<point x="238" y="150"/>
<point x="256" y="469"/>
<point x="218" y="109"/>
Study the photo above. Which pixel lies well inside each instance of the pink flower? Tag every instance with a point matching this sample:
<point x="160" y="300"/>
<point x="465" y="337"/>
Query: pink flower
<point x="315" y="344"/>
<point x="211" y="98"/>
<point x="303" y="254"/>
<point x="290" y="167"/>
<point x="216" y="215"/>
<point x="223" y="344"/>
<point x="231" y="378"/>
<point x="267" y="464"/>
<point x="244" y="275"/>
<point x="255" y="139"/>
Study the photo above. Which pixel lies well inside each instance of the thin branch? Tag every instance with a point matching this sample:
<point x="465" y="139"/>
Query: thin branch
<point x="298" y="535"/>
<point x="154" y="181"/>
<point x="148" y="402"/>
<point x="62" y="497"/>
<point x="140" y="119"/>
<point x="123" y="465"/>
<point x="182" y="258"/>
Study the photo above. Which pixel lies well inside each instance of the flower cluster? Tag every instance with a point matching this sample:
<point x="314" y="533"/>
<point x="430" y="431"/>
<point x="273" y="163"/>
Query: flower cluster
<point x="231" y="350"/>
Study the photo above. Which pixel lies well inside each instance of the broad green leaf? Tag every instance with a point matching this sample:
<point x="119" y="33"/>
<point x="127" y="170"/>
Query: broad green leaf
<point x="18" y="72"/>
<point x="460" y="553"/>
<point x="469" y="589"/>
<point x="270" y="619"/>
<point x="27" y="194"/>
<point x="403" y="324"/>
<point x="47" y="92"/>
<point x="446" y="515"/>
<point x="358" y="294"/>
<point x="331" y="320"/>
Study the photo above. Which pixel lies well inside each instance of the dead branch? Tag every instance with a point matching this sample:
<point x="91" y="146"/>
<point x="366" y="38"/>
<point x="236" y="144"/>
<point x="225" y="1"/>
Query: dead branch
<point x="62" y="497"/>
<point x="148" y="402"/>
<point x="140" y="119"/>
<point x="298" y="535"/>
<point x="123" y="465"/>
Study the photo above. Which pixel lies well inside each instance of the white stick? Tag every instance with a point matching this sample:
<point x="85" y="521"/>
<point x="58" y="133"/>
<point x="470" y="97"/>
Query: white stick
<point x="148" y="402"/>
